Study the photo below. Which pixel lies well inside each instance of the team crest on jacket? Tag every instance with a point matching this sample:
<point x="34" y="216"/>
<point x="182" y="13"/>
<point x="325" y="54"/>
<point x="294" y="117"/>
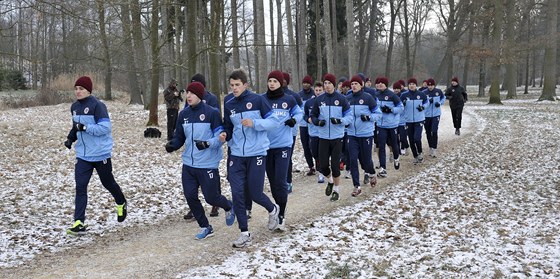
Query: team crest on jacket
<point x="386" y="98"/>
<point x="202" y="117"/>
<point x="284" y="105"/>
<point x="418" y="97"/>
<point x="249" y="105"/>
<point x="361" y="101"/>
<point x="86" y="110"/>
<point x="437" y="93"/>
<point x="336" y="102"/>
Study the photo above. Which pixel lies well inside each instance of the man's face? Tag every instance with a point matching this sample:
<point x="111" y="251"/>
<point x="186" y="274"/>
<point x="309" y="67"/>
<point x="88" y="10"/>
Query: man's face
<point x="329" y="87"/>
<point x="381" y="86"/>
<point x="81" y="92"/>
<point x="356" y="86"/>
<point x="192" y="99"/>
<point x="412" y="86"/>
<point x="454" y="83"/>
<point x="237" y="87"/>
<point x="306" y="86"/>
<point x="431" y="87"/>
<point x="273" y="84"/>
<point x="318" y="90"/>
<point x="368" y="83"/>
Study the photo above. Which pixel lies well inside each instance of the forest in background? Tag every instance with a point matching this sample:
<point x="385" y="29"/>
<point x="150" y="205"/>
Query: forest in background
<point x="138" y="46"/>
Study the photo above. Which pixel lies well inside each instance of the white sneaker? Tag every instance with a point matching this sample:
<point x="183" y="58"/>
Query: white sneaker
<point x="431" y="152"/>
<point x="382" y="172"/>
<point x="403" y="152"/>
<point x="281" y="225"/>
<point x="434" y="152"/>
<point x="321" y="179"/>
<point x="347" y="174"/>
<point x="397" y="163"/>
<point x="420" y="158"/>
<point x="243" y="240"/>
<point x="273" y="218"/>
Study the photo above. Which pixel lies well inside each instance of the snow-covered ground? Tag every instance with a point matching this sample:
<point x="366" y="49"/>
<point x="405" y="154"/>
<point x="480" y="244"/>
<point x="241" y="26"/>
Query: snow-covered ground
<point x="487" y="207"/>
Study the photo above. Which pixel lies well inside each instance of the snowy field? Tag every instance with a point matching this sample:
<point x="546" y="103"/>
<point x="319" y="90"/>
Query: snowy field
<point x="488" y="207"/>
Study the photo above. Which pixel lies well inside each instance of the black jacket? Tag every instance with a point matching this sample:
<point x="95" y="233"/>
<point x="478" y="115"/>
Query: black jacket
<point x="456" y="95"/>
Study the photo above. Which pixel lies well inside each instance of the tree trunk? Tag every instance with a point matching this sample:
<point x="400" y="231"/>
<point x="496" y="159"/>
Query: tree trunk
<point x="190" y="29"/>
<point x="135" y="96"/>
<point x="497" y="49"/>
<point x="350" y="38"/>
<point x="106" y="50"/>
<point x="468" y="57"/>
<point x="279" y="59"/>
<point x="273" y="56"/>
<point x="216" y="12"/>
<point x="140" y="50"/>
<point x="394" y="10"/>
<point x="178" y="64"/>
<point x="156" y="67"/>
<point x="260" y="48"/>
<point x="302" y="38"/>
<point x="235" y="35"/>
<point x="405" y="29"/>
<point x="510" y="53"/>
<point x="371" y="37"/>
<point x="549" y="89"/>
<point x="319" y="45"/>
<point x="328" y="35"/>
<point x="292" y="49"/>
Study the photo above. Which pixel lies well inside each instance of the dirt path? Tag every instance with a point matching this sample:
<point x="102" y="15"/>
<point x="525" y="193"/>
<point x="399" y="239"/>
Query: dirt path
<point x="165" y="249"/>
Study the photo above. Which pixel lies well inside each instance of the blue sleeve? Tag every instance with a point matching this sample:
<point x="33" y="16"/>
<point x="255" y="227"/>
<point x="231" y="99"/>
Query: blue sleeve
<point x="398" y="105"/>
<point x="375" y="110"/>
<point x="315" y="111"/>
<point x="102" y="124"/>
<point x="347" y="114"/>
<point x="297" y="113"/>
<point x="269" y="119"/>
<point x="217" y="129"/>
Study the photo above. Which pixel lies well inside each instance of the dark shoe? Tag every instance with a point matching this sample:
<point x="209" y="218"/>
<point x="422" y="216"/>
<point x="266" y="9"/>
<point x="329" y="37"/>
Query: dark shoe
<point x="366" y="178"/>
<point x="121" y="212"/>
<point x="214" y="212"/>
<point x="457" y="132"/>
<point x="356" y="192"/>
<point x="77" y="229"/>
<point x="328" y="190"/>
<point x="311" y="172"/>
<point x="335" y="196"/>
<point x="189" y="216"/>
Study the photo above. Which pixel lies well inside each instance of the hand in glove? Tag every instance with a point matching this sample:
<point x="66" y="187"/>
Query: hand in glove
<point x="386" y="109"/>
<point x="404" y="102"/>
<point x="431" y="100"/>
<point x="321" y="123"/>
<point x="201" y="144"/>
<point x="80" y="127"/>
<point x="420" y="108"/>
<point x="68" y="144"/>
<point x="335" y="121"/>
<point x="290" y="122"/>
<point x="437" y="104"/>
<point x="168" y="147"/>
<point x="365" y="117"/>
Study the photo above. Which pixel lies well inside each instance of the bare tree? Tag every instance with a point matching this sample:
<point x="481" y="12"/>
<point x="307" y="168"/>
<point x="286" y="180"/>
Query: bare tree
<point x="190" y="32"/>
<point x="394" y="7"/>
<point x="106" y="50"/>
<point x="328" y="35"/>
<point x="273" y="57"/>
<point x="215" y="52"/>
<point x="135" y="96"/>
<point x="260" y="49"/>
<point x="301" y="36"/>
<point x="549" y="89"/>
<point x="350" y="38"/>
<point x="318" y="44"/>
<point x="497" y="49"/>
<point x="235" y="35"/>
<point x="280" y="39"/>
<point x="510" y="50"/>
<point x="139" y="49"/>
<point x="292" y="49"/>
<point x="156" y="64"/>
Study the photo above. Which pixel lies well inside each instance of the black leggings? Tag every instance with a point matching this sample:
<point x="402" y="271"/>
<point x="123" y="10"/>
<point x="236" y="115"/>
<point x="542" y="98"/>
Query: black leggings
<point x="457" y="114"/>
<point x="330" y="149"/>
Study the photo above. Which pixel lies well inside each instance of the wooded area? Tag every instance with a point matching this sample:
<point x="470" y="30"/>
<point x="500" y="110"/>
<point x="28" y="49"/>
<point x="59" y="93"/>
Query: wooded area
<point x="140" y="45"/>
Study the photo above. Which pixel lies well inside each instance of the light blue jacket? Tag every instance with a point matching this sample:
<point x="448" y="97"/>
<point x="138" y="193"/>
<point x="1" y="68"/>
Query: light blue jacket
<point x="412" y="100"/>
<point x="284" y="108"/>
<point x="249" y="141"/>
<point x="362" y="103"/>
<point x="329" y="106"/>
<point x="434" y="96"/>
<point x="96" y="142"/>
<point x="390" y="99"/>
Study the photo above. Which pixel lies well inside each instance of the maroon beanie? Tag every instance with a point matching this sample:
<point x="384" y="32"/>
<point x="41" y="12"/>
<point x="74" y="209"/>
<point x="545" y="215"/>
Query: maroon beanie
<point x="286" y="77"/>
<point x="307" y="79"/>
<point x="278" y="75"/>
<point x="383" y="80"/>
<point x="346" y="83"/>
<point x="330" y="77"/>
<point x="397" y="85"/>
<point x="197" y="89"/>
<point x="412" y="80"/>
<point x="358" y="79"/>
<point x="85" y="82"/>
<point x="455" y="79"/>
<point x="430" y="81"/>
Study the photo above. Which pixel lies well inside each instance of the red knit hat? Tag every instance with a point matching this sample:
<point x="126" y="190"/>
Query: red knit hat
<point x="430" y="81"/>
<point x="197" y="89"/>
<point x="278" y="75"/>
<point x="401" y="81"/>
<point x="346" y="83"/>
<point x="412" y="80"/>
<point x="397" y="85"/>
<point x="383" y="80"/>
<point x="286" y="77"/>
<point x="455" y="79"/>
<point x="85" y="82"/>
<point x="330" y="77"/>
<point x="307" y="79"/>
<point x="358" y="79"/>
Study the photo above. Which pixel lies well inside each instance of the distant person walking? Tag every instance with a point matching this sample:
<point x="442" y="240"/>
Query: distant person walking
<point x="91" y="130"/>
<point x="172" y="98"/>
<point x="457" y="98"/>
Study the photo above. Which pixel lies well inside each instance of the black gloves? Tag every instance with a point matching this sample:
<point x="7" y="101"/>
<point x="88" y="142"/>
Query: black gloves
<point x="290" y="122"/>
<point x="420" y="108"/>
<point x="437" y="104"/>
<point x="168" y="147"/>
<point x="386" y="109"/>
<point x="321" y="123"/>
<point x="404" y="102"/>
<point x="431" y="100"/>
<point x="365" y="117"/>
<point x="80" y="127"/>
<point x="68" y="144"/>
<point x="201" y="144"/>
<point x="335" y="121"/>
